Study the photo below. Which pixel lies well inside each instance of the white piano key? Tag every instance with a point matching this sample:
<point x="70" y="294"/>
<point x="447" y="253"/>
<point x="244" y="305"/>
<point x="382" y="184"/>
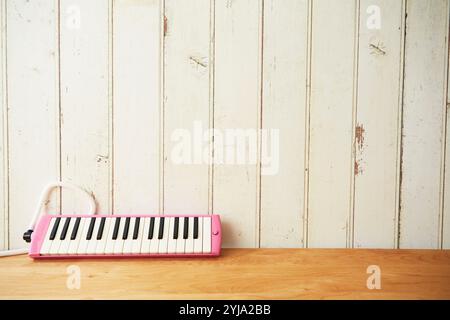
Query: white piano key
<point x="198" y="245"/>
<point x="206" y="235"/>
<point x="128" y="244"/>
<point x="163" y="243"/>
<point x="189" y="246"/>
<point x="101" y="244"/>
<point x="155" y="241"/>
<point x="57" y="242"/>
<point x="47" y="243"/>
<point x="73" y="246"/>
<point x="136" y="243"/>
<point x="91" y="249"/>
<point x="145" y="241"/>
<point x="109" y="248"/>
<point x="118" y="245"/>
<point x="64" y="247"/>
<point x="172" y="243"/>
<point x="180" y="240"/>
<point x="83" y="244"/>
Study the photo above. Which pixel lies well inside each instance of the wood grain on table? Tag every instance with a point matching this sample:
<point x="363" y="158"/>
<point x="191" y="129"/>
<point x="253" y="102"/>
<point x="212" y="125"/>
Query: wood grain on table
<point x="237" y="274"/>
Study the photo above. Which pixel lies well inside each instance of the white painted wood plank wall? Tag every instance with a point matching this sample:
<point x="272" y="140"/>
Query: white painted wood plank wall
<point x="84" y="87"/>
<point x="446" y="211"/>
<point x="424" y="109"/>
<point x="136" y="106"/>
<point x="32" y="44"/>
<point x="187" y="101"/>
<point x="331" y="122"/>
<point x="285" y="63"/>
<point x="4" y="234"/>
<point x="237" y="105"/>
<point x="102" y="94"/>
<point x="377" y="123"/>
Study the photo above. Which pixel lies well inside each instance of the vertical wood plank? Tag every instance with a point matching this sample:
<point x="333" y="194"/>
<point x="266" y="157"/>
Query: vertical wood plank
<point x="377" y="127"/>
<point x="3" y="133"/>
<point x="237" y="106"/>
<point x="331" y="110"/>
<point x="33" y="91"/>
<point x="423" y="111"/>
<point x="446" y="211"/>
<point x="212" y="53"/>
<point x="283" y="109"/>
<point x="85" y="151"/>
<point x="136" y="117"/>
<point x="186" y="105"/>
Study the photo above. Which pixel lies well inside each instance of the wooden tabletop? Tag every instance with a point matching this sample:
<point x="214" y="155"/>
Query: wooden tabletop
<point x="237" y="274"/>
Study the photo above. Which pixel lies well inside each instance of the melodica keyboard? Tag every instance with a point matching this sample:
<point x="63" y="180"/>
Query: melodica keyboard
<point x="113" y="236"/>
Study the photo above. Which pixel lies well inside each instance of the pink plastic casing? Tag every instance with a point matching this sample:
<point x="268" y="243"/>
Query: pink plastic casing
<point x="41" y="230"/>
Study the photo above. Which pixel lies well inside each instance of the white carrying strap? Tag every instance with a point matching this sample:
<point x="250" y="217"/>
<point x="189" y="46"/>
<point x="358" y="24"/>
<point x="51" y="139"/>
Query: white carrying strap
<point x="46" y="194"/>
<point x="14" y="252"/>
<point x="42" y="204"/>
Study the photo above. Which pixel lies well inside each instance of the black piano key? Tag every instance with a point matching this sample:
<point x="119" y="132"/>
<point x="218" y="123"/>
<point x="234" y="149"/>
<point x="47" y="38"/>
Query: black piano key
<point x="136" y="228"/>
<point x="64" y="230"/>
<point x="55" y="229"/>
<point x="73" y="236"/>
<point x="175" y="228"/>
<point x="91" y="229"/>
<point x="116" y="229"/>
<point x="161" y="228"/>
<point x="186" y="228"/>
<point x="196" y="228"/>
<point x="100" y="228"/>
<point x="151" y="228"/>
<point x="126" y="228"/>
